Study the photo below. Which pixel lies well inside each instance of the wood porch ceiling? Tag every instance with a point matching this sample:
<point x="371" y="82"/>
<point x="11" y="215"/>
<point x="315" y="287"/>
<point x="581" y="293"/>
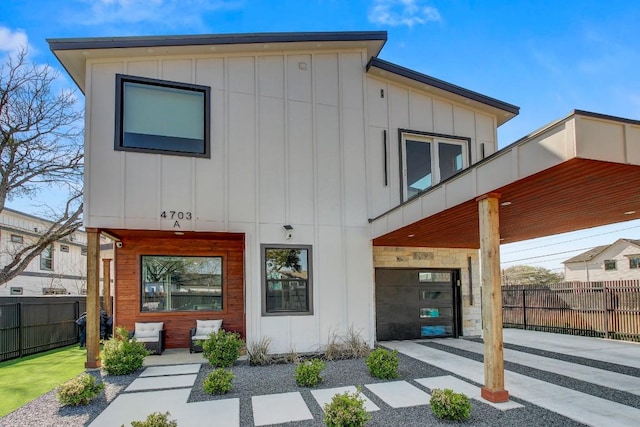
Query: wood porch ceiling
<point x="574" y="195"/>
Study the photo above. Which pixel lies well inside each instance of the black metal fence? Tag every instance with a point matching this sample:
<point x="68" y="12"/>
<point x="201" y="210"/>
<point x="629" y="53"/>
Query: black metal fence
<point x="30" y="325"/>
<point x="609" y="309"/>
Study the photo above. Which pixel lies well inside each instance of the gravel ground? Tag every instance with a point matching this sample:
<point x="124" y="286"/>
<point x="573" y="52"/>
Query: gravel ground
<point x="258" y="380"/>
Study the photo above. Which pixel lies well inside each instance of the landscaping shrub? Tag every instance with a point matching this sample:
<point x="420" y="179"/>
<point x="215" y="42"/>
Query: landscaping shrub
<point x="349" y="346"/>
<point x="346" y="410"/>
<point x="222" y="348"/>
<point x="258" y="352"/>
<point x="449" y="405"/>
<point x="79" y="391"/>
<point x="121" y="355"/>
<point x="308" y="372"/>
<point x="218" y="381"/>
<point x="155" y="419"/>
<point x="383" y="363"/>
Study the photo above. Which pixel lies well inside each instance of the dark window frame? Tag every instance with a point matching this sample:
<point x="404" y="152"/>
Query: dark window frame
<point x="634" y="262"/>
<point x="64" y="248"/>
<point x="223" y="288"/>
<point x="16" y="238"/>
<point x="610" y="265"/>
<point x="122" y="79"/>
<point x="309" y="285"/>
<point x="404" y="133"/>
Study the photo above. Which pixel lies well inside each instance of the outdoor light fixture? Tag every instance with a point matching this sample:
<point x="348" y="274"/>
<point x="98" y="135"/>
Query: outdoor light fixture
<point x="288" y="231"/>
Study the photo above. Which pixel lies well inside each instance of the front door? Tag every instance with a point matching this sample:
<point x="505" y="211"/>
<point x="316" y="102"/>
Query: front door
<point x="416" y="303"/>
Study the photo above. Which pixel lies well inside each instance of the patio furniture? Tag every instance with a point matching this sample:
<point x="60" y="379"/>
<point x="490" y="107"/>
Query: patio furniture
<point x="201" y="332"/>
<point x="151" y="334"/>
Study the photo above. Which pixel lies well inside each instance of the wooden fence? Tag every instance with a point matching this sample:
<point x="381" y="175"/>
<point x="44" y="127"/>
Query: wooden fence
<point x="608" y="309"/>
<point x="30" y="325"/>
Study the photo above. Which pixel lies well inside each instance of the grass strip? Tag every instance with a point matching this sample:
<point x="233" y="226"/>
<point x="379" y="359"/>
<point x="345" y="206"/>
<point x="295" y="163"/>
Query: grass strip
<point x="26" y="378"/>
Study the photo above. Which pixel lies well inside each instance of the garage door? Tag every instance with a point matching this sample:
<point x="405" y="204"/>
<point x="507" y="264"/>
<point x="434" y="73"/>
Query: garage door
<point x="416" y="303"/>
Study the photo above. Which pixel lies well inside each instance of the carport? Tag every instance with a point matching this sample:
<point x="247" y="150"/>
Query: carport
<point x="579" y="172"/>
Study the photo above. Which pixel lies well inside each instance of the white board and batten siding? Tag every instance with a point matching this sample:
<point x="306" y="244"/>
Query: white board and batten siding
<point x="392" y="106"/>
<point x="288" y="146"/>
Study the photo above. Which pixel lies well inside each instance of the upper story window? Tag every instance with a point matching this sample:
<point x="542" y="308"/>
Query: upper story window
<point x="428" y="159"/>
<point x="16" y="238"/>
<point x="64" y="248"/>
<point x="46" y="258"/>
<point x="158" y="116"/>
<point x="634" y="261"/>
<point x="610" y="264"/>
<point x="286" y="280"/>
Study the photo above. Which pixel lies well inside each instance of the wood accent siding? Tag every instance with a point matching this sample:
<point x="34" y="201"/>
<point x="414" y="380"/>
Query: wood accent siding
<point x="229" y="246"/>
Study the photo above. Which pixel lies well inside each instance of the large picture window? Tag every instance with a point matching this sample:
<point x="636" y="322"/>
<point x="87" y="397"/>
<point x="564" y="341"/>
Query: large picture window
<point x="287" y="287"/>
<point x="162" y="117"/>
<point x="428" y="159"/>
<point x="181" y="283"/>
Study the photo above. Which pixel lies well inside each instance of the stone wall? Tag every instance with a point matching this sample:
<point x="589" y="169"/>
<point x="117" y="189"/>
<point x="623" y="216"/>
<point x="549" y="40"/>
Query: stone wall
<point x="407" y="257"/>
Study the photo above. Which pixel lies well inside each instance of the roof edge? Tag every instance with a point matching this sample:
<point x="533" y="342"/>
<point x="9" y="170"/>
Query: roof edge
<point x="213" y="39"/>
<point x="441" y="84"/>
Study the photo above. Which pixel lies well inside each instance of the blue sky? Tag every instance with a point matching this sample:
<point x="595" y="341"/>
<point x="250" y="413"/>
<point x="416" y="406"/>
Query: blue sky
<point x="547" y="57"/>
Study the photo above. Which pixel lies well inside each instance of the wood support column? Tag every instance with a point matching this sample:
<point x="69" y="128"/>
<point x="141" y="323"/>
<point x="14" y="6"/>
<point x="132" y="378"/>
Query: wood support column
<point x="488" y="210"/>
<point x="106" y="286"/>
<point x="93" y="299"/>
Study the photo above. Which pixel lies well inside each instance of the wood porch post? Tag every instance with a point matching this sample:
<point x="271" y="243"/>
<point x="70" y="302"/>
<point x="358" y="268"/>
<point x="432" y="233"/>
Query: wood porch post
<point x="93" y="298"/>
<point x="493" y="389"/>
<point x="106" y="286"/>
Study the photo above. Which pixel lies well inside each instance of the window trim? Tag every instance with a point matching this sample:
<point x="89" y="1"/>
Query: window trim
<point x="16" y="238"/>
<point x="223" y="285"/>
<point x="263" y="280"/>
<point x="402" y="136"/>
<point x="121" y="79"/>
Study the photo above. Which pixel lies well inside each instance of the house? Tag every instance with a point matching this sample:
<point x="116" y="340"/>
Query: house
<point x="296" y="185"/>
<point x="61" y="269"/>
<point x="618" y="261"/>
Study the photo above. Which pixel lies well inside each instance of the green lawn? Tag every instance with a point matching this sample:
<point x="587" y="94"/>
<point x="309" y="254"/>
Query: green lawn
<point x="24" y="379"/>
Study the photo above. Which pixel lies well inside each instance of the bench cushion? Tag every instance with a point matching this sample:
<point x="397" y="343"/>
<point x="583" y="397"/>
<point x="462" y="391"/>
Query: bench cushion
<point x="206" y="327"/>
<point x="148" y="330"/>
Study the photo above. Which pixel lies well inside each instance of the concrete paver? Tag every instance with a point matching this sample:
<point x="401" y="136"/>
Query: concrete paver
<point x="399" y="394"/>
<point x="279" y="408"/>
<point x="159" y="383"/>
<point x="324" y="396"/>
<point x="155" y="371"/>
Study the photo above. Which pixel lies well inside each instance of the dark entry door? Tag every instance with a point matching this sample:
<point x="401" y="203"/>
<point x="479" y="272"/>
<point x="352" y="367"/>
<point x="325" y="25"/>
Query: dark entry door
<point x="416" y="303"/>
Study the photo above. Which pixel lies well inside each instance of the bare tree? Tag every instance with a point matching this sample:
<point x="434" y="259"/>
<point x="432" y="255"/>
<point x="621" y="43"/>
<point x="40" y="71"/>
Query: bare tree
<point x="40" y="147"/>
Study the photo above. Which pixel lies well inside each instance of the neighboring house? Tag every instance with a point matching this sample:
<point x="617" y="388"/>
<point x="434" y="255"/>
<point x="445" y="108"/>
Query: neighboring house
<point x="61" y="269"/>
<point x="617" y="261"/>
<point x="296" y="185"/>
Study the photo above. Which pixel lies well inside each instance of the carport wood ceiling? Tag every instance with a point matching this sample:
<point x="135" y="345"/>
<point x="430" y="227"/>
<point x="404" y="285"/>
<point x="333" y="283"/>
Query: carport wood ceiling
<point x="574" y="195"/>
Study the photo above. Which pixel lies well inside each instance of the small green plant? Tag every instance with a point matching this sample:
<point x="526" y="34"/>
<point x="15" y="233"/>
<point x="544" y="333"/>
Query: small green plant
<point x="222" y="348"/>
<point x="258" y="352"/>
<point x="449" y="405"/>
<point x="218" y="381"/>
<point x="308" y="372"/>
<point x="383" y="363"/>
<point x="346" y="410"/>
<point x="155" y="419"/>
<point x="79" y="391"/>
<point x="121" y="355"/>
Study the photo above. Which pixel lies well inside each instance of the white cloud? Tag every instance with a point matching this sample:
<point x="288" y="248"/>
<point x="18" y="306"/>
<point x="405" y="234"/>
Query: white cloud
<point x="12" y="41"/>
<point x="169" y="13"/>
<point x="402" y="12"/>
